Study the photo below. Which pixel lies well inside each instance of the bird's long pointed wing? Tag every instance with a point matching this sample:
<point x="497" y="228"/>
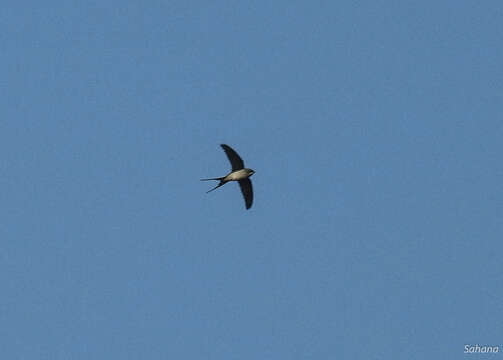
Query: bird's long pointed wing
<point x="247" y="190"/>
<point x="236" y="162"/>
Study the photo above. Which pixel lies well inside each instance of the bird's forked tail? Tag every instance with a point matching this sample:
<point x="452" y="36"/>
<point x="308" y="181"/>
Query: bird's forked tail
<point x="219" y="184"/>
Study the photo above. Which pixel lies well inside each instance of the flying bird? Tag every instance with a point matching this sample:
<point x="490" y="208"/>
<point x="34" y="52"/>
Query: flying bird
<point x="238" y="173"/>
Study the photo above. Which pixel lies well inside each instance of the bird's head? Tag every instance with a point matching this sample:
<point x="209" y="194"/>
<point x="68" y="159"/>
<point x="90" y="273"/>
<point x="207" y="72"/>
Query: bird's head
<point x="250" y="172"/>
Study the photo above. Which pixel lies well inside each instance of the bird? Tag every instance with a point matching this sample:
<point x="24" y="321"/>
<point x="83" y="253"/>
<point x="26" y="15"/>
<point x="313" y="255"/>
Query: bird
<point x="238" y="173"/>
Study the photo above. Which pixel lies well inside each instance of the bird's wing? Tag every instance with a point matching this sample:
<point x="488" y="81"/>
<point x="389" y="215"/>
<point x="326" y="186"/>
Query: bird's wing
<point x="247" y="190"/>
<point x="236" y="162"/>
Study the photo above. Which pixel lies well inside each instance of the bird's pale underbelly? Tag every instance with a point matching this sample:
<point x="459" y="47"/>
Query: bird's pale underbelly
<point x="237" y="175"/>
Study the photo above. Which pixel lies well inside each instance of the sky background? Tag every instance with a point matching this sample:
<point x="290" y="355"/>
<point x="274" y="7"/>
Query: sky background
<point x="375" y="129"/>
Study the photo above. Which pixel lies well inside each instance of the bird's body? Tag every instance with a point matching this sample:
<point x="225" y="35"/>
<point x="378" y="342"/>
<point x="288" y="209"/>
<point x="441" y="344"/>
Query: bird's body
<point x="239" y="173"/>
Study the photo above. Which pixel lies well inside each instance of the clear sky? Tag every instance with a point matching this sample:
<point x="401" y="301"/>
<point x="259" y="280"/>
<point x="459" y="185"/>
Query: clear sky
<point x="376" y="132"/>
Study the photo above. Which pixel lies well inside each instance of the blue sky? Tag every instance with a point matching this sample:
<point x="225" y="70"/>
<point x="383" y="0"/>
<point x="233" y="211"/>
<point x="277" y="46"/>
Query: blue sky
<point x="375" y="130"/>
